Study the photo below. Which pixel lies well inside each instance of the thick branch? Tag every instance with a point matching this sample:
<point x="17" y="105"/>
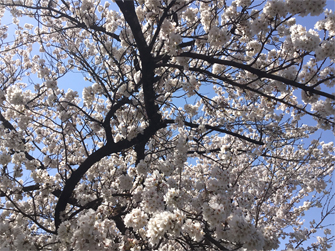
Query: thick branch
<point x="148" y="65"/>
<point x="107" y="123"/>
<point x="246" y="87"/>
<point x="259" y="73"/>
<point x="215" y="242"/>
<point x="104" y="151"/>
<point x="128" y="10"/>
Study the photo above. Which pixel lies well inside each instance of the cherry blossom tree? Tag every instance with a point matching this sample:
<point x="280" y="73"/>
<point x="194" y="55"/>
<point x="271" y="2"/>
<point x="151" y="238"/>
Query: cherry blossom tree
<point x="189" y="131"/>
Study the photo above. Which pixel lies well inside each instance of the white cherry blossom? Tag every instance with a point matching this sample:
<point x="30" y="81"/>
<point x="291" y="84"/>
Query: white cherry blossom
<point x="166" y="125"/>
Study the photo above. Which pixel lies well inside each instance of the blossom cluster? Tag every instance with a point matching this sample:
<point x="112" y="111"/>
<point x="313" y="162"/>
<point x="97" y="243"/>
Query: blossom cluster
<point x="304" y="40"/>
<point x="165" y="223"/>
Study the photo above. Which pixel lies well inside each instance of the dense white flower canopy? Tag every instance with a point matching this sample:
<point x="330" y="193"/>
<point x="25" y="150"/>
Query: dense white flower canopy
<point x="191" y="133"/>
